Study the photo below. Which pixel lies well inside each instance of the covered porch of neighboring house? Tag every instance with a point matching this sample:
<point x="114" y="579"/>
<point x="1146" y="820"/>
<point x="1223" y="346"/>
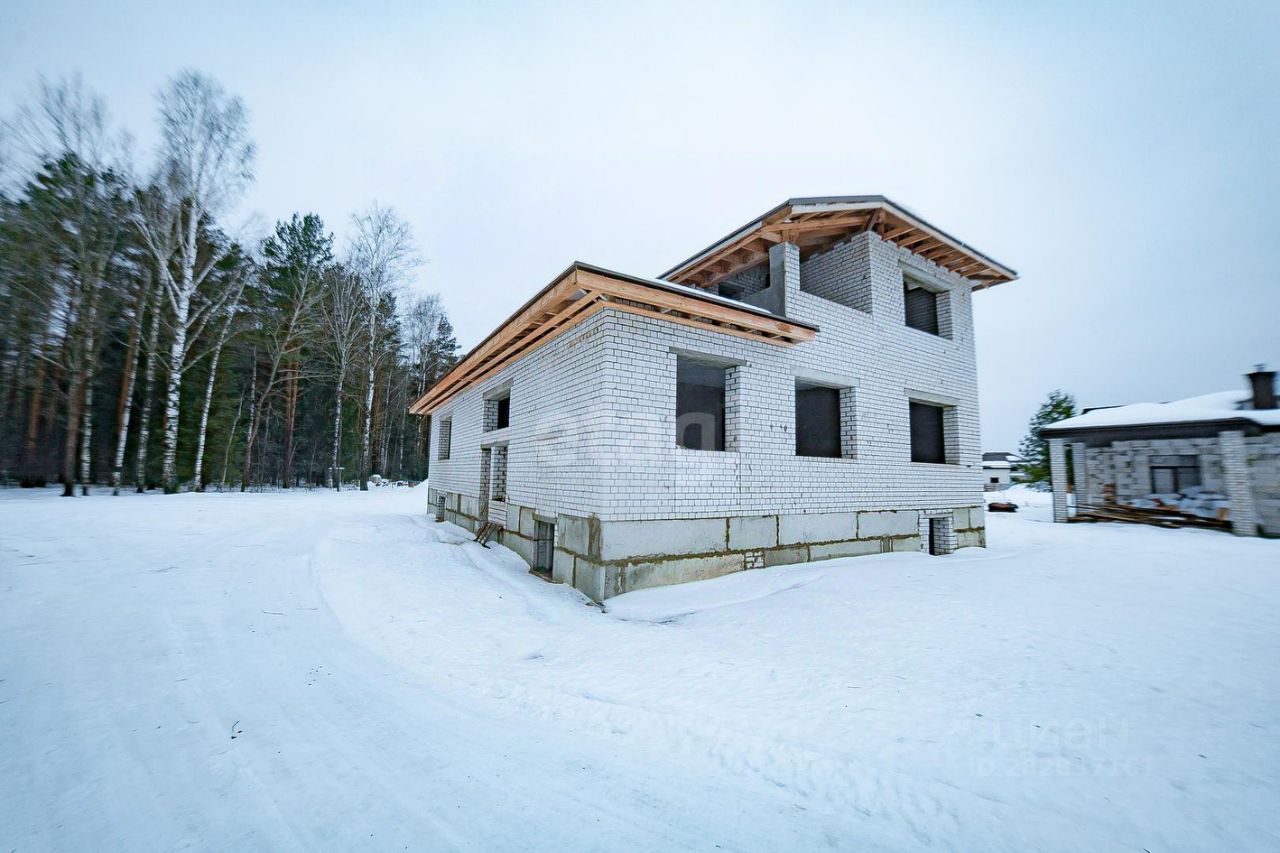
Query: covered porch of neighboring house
<point x="1188" y="481"/>
<point x="1206" y="461"/>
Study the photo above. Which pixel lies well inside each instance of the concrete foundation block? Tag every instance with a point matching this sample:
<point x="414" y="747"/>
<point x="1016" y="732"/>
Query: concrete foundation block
<point x="786" y="556"/>
<point x="513" y="517"/>
<point x="971" y="539"/>
<point x="853" y="548"/>
<point x="887" y="523"/>
<point x="562" y="567"/>
<point x="633" y="576"/>
<point x="753" y="531"/>
<point x="573" y="533"/>
<point x="906" y="543"/>
<point x="527" y="522"/>
<point x="816" y="527"/>
<point x="620" y="540"/>
<point x="590" y="579"/>
<point x="521" y="545"/>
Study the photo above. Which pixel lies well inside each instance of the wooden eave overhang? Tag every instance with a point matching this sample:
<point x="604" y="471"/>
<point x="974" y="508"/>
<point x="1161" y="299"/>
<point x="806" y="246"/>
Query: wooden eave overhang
<point x="818" y="224"/>
<point x="584" y="290"/>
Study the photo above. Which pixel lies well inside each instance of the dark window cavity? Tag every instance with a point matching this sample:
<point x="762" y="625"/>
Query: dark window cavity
<point x="497" y="412"/>
<point x="1170" y="474"/>
<point x="446" y="437"/>
<point x="928" y="440"/>
<point x="544" y="541"/>
<point x="699" y="405"/>
<point x="817" y="420"/>
<point x="921" y="306"/>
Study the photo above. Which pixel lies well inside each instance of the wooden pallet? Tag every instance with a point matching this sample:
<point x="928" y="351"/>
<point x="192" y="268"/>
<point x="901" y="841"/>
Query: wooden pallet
<point x="1169" y="517"/>
<point x="487" y="531"/>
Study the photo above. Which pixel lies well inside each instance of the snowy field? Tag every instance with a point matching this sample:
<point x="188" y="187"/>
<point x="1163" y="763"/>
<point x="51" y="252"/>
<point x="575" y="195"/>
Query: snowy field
<point x="321" y="671"/>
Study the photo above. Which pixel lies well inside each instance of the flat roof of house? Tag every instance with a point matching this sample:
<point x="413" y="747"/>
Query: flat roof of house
<point x="817" y="223"/>
<point x="583" y="290"/>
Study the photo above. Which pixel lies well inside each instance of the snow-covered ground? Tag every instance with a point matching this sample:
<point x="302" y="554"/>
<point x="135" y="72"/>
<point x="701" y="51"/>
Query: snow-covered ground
<point x="287" y="671"/>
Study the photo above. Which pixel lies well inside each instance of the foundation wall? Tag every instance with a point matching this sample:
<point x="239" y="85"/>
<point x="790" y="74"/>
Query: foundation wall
<point x="608" y="558"/>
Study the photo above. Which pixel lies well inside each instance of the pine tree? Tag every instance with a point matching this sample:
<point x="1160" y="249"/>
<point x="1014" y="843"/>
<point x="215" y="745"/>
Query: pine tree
<point x="442" y="352"/>
<point x="1035" y="450"/>
<point x="107" y="324"/>
<point x="441" y="355"/>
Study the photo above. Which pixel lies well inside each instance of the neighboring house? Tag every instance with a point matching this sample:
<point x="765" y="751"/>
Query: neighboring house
<point x="998" y="468"/>
<point x="803" y="388"/>
<point x="1217" y="454"/>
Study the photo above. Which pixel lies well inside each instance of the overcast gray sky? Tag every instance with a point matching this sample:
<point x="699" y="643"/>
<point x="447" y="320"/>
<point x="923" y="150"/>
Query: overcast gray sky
<point x="1122" y="157"/>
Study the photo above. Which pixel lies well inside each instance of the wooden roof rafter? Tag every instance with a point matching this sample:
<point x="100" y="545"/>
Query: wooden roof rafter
<point x="583" y="291"/>
<point x="817" y="224"/>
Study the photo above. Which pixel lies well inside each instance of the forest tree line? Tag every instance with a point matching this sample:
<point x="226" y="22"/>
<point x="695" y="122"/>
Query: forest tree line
<point x="146" y="342"/>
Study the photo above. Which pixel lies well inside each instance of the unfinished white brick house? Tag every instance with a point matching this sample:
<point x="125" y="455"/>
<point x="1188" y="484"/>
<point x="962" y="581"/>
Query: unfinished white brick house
<point x="1215" y="456"/>
<point x="804" y="388"/>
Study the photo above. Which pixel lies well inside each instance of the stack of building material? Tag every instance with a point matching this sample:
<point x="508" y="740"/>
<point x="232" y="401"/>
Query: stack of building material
<point x="1193" y="507"/>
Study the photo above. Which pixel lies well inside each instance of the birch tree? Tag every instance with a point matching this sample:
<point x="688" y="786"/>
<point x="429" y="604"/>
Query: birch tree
<point x="205" y="165"/>
<point x="143" y="303"/>
<point x="114" y="289"/>
<point x="151" y="355"/>
<point x="342" y="318"/>
<point x="74" y="206"/>
<point x="238" y="268"/>
<point x="382" y="256"/>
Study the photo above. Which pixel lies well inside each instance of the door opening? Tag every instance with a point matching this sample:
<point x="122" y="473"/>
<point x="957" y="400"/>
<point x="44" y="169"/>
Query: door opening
<point x="486" y="460"/>
<point x="941" y="535"/>
<point x="544" y="541"/>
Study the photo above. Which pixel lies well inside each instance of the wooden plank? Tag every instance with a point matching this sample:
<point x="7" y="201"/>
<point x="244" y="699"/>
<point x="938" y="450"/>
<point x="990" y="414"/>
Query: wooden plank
<point x="555" y="313"/>
<point x="485" y="367"/>
<point x="944" y="255"/>
<point x="697" y="324"/>
<point x="791" y="231"/>
<point x="701" y="264"/>
<point x="964" y="268"/>
<point x="693" y="305"/>
<point x="896" y="233"/>
<point x="556" y="294"/>
<point x="873" y="221"/>
<point x="789" y="224"/>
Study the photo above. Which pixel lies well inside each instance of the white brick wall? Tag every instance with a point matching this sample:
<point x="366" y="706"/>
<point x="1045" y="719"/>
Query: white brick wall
<point x="1125" y="466"/>
<point x="593" y="412"/>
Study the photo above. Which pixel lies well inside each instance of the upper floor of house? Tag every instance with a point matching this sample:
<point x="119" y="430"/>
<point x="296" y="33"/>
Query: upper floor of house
<point x="842" y="280"/>
<point x="829" y="375"/>
<point x="830" y="246"/>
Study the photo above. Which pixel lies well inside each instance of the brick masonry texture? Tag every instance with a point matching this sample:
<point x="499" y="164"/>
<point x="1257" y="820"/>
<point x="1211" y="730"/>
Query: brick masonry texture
<point x="1058" y="476"/>
<point x="592" y="419"/>
<point x="1244" y="468"/>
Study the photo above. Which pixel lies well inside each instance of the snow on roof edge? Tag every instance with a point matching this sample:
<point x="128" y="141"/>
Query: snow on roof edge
<point x="1218" y="406"/>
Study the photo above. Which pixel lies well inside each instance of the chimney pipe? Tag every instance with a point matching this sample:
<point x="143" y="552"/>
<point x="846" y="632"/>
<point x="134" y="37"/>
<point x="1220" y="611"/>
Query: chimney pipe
<point x="1263" y="385"/>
